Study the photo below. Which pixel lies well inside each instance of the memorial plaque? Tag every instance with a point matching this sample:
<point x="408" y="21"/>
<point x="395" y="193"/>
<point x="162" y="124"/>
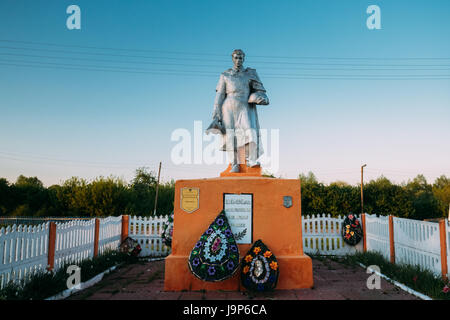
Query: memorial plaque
<point x="190" y="199"/>
<point x="239" y="211"/>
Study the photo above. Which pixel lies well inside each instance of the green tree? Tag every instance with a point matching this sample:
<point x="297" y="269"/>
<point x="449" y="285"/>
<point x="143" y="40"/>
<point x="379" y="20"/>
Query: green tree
<point x="5" y="197"/>
<point x="143" y="193"/>
<point x="74" y="197"/>
<point x="308" y="178"/>
<point x="107" y="197"/>
<point x="313" y="194"/>
<point x="382" y="197"/>
<point x="424" y="203"/>
<point x="441" y="190"/>
<point x="29" y="195"/>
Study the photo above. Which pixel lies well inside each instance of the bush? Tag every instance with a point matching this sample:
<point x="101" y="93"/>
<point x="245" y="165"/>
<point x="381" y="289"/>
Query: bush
<point x="45" y="284"/>
<point x="415" y="277"/>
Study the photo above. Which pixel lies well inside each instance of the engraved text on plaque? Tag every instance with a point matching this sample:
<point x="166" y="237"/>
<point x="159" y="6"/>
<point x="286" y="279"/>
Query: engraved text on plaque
<point x="238" y="208"/>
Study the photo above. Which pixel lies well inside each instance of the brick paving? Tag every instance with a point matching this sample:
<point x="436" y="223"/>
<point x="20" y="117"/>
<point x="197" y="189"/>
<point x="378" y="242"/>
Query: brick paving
<point x="332" y="281"/>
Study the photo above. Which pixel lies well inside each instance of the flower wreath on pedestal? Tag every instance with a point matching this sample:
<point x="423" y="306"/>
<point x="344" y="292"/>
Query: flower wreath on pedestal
<point x="259" y="268"/>
<point x="167" y="231"/>
<point x="130" y="246"/>
<point x="215" y="256"/>
<point x="352" y="231"/>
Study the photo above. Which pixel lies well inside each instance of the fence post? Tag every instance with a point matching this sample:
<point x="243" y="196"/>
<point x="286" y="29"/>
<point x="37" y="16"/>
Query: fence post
<point x="443" y="238"/>
<point x="363" y="218"/>
<point x="96" y="235"/>
<point x="125" y="225"/>
<point x="51" y="246"/>
<point x="391" y="238"/>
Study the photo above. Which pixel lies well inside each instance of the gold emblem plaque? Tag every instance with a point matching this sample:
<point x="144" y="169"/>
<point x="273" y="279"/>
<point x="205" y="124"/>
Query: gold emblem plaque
<point x="190" y="199"/>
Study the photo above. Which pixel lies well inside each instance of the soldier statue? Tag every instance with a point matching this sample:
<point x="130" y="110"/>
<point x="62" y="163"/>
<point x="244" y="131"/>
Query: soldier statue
<point x="238" y="92"/>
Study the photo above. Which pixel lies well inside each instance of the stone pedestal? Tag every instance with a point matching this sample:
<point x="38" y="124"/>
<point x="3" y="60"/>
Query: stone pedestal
<point x="244" y="171"/>
<point x="278" y="226"/>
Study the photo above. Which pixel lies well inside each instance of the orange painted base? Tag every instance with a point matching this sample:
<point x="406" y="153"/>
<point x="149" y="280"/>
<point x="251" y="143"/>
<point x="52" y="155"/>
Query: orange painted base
<point x="244" y="171"/>
<point x="295" y="273"/>
<point x="277" y="226"/>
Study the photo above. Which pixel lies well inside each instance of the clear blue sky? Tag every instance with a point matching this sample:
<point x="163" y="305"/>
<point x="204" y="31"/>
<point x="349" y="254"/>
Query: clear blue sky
<point x="59" y="118"/>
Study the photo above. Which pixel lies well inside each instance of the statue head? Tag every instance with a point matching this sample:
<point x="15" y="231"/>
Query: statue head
<point x="238" y="57"/>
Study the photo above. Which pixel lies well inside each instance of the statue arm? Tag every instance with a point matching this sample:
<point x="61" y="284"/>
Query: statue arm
<point x="256" y="82"/>
<point x="220" y="97"/>
<point x="258" y="88"/>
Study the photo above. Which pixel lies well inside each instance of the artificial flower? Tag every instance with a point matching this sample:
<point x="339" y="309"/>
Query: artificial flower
<point x="211" y="271"/>
<point x="196" y="262"/>
<point x="198" y="244"/>
<point x="274" y="265"/>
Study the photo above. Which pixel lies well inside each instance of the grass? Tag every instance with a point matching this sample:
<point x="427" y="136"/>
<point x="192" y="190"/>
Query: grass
<point x="45" y="284"/>
<point x="415" y="277"/>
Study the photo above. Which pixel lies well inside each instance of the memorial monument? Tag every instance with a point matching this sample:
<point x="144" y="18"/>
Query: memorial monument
<point x="235" y="117"/>
<point x="257" y="207"/>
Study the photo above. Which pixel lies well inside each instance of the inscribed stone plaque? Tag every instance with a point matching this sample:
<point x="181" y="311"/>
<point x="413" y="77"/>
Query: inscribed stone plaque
<point x="190" y="199"/>
<point x="239" y="211"/>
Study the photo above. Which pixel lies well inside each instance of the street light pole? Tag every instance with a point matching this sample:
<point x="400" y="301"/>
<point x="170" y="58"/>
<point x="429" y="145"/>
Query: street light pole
<point x="362" y="185"/>
<point x="157" y="187"/>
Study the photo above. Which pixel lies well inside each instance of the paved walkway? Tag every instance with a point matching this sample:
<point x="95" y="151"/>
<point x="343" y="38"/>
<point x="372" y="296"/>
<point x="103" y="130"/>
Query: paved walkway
<point x="332" y="281"/>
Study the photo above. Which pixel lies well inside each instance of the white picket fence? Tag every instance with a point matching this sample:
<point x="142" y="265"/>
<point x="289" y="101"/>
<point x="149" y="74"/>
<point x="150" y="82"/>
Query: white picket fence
<point x="109" y="234"/>
<point x="74" y="241"/>
<point x="322" y="235"/>
<point x="23" y="251"/>
<point x="147" y="231"/>
<point x="417" y="243"/>
<point x="377" y="235"/>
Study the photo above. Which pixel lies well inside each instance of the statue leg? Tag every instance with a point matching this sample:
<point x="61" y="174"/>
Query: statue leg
<point x="235" y="163"/>
<point x="232" y="152"/>
<point x="251" y="154"/>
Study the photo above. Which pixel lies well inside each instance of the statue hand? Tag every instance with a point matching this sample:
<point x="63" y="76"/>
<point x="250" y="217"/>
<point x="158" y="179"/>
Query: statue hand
<point x="259" y="98"/>
<point x="217" y="115"/>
